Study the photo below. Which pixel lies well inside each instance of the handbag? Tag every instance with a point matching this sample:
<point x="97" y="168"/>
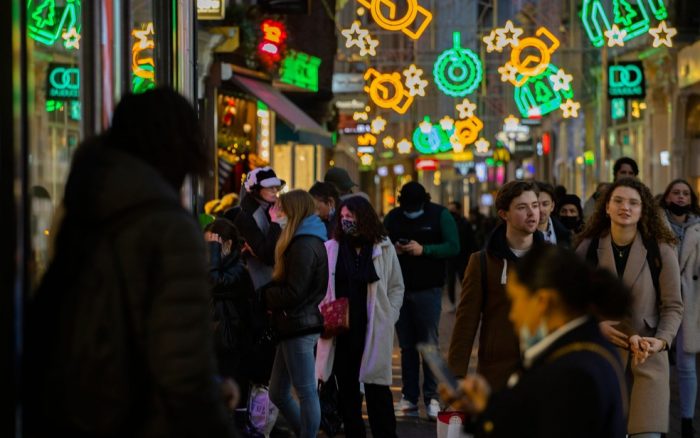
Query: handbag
<point x="328" y="393"/>
<point x="336" y="317"/>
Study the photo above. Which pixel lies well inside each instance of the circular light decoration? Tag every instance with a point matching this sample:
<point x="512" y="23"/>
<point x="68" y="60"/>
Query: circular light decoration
<point x="457" y="71"/>
<point x="431" y="139"/>
<point x="544" y="93"/>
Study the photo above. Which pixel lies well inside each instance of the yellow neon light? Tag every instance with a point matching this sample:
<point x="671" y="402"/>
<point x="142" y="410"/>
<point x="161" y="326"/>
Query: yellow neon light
<point x="413" y="23"/>
<point x="272" y="33"/>
<point x="466" y="109"/>
<point x="502" y="38"/>
<point x="414" y="80"/>
<point x="570" y="108"/>
<point x="532" y="65"/>
<point x="388" y="142"/>
<point x="404" y="146"/>
<point x="667" y="32"/>
<point x="72" y="39"/>
<point x="468" y="130"/>
<point x="145" y="42"/>
<point x="457" y="145"/>
<point x="616" y="37"/>
<point x="366" y="159"/>
<point x="378" y="125"/>
<point x="357" y="116"/>
<point x="366" y="140"/>
<point x="387" y="91"/>
<point x="447" y="123"/>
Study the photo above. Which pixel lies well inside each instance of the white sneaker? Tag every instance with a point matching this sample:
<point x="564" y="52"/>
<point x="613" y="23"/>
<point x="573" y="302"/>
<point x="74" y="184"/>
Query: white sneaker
<point x="433" y="408"/>
<point x="405" y="408"/>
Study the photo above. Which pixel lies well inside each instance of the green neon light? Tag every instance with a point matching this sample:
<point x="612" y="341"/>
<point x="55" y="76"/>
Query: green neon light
<point x="537" y="95"/>
<point x="632" y="17"/>
<point x="589" y="157"/>
<point x="75" y="110"/>
<point x="47" y="22"/>
<point x="617" y="108"/>
<point x="63" y="82"/>
<point x="301" y="70"/>
<point x="626" y="80"/>
<point x="53" y="105"/>
<point x="433" y="142"/>
<point x="141" y="85"/>
<point x="457" y="71"/>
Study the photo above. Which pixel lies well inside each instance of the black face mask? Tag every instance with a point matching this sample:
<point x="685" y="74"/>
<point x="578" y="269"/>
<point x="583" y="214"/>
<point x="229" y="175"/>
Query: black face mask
<point x="570" y="222"/>
<point x="678" y="210"/>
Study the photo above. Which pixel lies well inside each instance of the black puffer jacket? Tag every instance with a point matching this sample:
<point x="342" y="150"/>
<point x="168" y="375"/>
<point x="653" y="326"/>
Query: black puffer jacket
<point x="294" y="302"/>
<point x="118" y="339"/>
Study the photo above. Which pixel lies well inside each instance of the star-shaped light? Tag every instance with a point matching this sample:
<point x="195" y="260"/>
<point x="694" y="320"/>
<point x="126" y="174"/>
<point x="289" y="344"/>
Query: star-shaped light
<point x="366" y="159"/>
<point x="615" y="36"/>
<point x="511" y="123"/>
<point x="570" y="108"/>
<point x="447" y="123"/>
<point x="663" y="34"/>
<point x="145" y="37"/>
<point x="425" y="126"/>
<point x="561" y="80"/>
<point x="369" y="46"/>
<point x="466" y="109"/>
<point x="355" y="35"/>
<point x="482" y="146"/>
<point x="508" y="72"/>
<point x="378" y="125"/>
<point x="414" y="80"/>
<point x="508" y="34"/>
<point x="360" y="116"/>
<point x="404" y="146"/>
<point x="457" y="145"/>
<point x="72" y="39"/>
<point x="491" y="43"/>
<point x="388" y="142"/>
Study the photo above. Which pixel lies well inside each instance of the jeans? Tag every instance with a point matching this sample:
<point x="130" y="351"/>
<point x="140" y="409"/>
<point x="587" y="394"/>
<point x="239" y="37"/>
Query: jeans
<point x="418" y="322"/>
<point x="294" y="366"/>
<point x="687" y="377"/>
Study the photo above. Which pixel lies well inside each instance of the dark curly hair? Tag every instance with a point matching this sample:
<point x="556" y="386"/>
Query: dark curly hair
<point x="694" y="208"/>
<point x="369" y="227"/>
<point x="651" y="225"/>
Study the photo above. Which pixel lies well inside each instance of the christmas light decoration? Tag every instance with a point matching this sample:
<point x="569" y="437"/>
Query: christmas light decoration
<point x="482" y="147"/>
<point x="663" y="35"/>
<point x="378" y="125"/>
<point x="511" y="123"/>
<point x="570" y="109"/>
<point x="508" y="35"/>
<point x="626" y="79"/>
<point x="561" y="80"/>
<point x="615" y="36"/>
<point x="447" y="123"/>
<point x="357" y="116"/>
<point x="404" y="146"/>
<point x="492" y="44"/>
<point x="142" y="62"/>
<point x="71" y="39"/>
<point x="532" y="65"/>
<point x="366" y="139"/>
<point x="369" y="47"/>
<point x="413" y="23"/>
<point x="355" y="35"/>
<point x="388" y="142"/>
<point x="366" y="159"/>
<point x="468" y="130"/>
<point x="631" y="18"/>
<point x="457" y="71"/>
<point x="466" y="109"/>
<point x="46" y="22"/>
<point x="387" y="91"/>
<point x="414" y="80"/>
<point x="301" y="70"/>
<point x="538" y="96"/>
<point x="431" y="139"/>
<point x="272" y="43"/>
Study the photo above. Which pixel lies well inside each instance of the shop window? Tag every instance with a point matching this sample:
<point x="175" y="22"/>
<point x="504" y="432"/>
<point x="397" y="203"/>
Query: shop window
<point x="143" y="43"/>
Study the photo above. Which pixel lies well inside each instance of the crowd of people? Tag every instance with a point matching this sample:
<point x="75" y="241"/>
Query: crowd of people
<point x="145" y="324"/>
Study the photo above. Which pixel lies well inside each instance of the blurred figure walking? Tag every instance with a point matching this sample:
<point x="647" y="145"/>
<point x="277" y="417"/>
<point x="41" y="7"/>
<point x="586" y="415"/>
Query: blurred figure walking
<point x="467" y="245"/>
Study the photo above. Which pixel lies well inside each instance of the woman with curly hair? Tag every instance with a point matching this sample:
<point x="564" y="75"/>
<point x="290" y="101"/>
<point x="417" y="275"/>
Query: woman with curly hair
<point x="628" y="236"/>
<point x="680" y="203"/>
<point x="363" y="267"/>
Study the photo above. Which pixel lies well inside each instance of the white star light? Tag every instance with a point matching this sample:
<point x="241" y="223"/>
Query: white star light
<point x="404" y="146"/>
<point x="378" y="125"/>
<point x="369" y="46"/>
<point x="388" y="142"/>
<point x="482" y="146"/>
<point x="491" y="44"/>
<point x="457" y="145"/>
<point x="615" y="36"/>
<point x="667" y="33"/>
<point x="414" y="80"/>
<point x="511" y="123"/>
<point x="350" y="38"/>
<point x="570" y="108"/>
<point x="72" y="39"/>
<point x="561" y="80"/>
<point x="509" y="29"/>
<point x="425" y="126"/>
<point x="447" y="123"/>
<point x="466" y="109"/>
<point x="508" y="72"/>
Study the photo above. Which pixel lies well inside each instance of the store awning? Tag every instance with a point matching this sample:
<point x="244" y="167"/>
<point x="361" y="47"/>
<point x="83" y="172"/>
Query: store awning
<point x="303" y="129"/>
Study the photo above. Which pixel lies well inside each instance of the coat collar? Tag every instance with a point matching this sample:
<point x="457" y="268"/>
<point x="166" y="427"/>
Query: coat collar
<point x="635" y="261"/>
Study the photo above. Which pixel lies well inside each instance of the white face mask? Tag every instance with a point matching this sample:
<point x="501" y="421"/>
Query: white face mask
<point x="528" y="339"/>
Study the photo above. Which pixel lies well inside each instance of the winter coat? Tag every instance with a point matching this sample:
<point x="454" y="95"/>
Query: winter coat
<point x="131" y="334"/>
<point x="384" y="300"/>
<point x="499" y="347"/>
<point x="649" y="403"/>
<point x="689" y="262"/>
<point x="294" y="301"/>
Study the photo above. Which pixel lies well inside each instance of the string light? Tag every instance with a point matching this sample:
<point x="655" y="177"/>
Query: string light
<point x="667" y="32"/>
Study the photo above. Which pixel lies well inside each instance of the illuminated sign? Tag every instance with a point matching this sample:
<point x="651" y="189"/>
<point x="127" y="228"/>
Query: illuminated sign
<point x="457" y="71"/>
<point x="617" y="108"/>
<point x="544" y="93"/>
<point x="427" y="164"/>
<point x="414" y="80"/>
<point x="211" y="9"/>
<point x="63" y="82"/>
<point x="387" y="91"/>
<point x="301" y="70"/>
<point x="630" y="18"/>
<point x="626" y="79"/>
<point x="662" y="35"/>
<point x="366" y="140"/>
<point x="524" y="63"/>
<point x="468" y="130"/>
<point x="46" y="22"/>
<point x="264" y="130"/>
<point x="431" y="139"/>
<point x="271" y="45"/>
<point x="142" y="63"/>
<point x="357" y="36"/>
<point x="413" y="23"/>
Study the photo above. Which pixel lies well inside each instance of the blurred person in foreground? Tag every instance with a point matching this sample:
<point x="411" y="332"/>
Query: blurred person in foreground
<point x="298" y="285"/>
<point x="363" y="267"/>
<point x="327" y="200"/>
<point x="118" y="339"/>
<point x="571" y="383"/>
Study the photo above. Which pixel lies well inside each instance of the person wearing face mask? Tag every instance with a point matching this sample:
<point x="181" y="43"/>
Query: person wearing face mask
<point x="363" y="267"/>
<point x="570" y="213"/>
<point x="326" y="197"/>
<point x="680" y="203"/>
<point x="571" y="383"/>
<point x="425" y="236"/>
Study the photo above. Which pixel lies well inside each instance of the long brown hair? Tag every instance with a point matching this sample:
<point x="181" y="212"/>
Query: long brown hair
<point x="694" y="208"/>
<point x="297" y="205"/>
<point x="650" y="225"/>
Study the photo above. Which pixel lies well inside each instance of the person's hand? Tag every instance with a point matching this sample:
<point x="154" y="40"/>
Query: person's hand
<point x="639" y="348"/>
<point x="230" y="393"/>
<point x="413" y="248"/>
<point x="655" y="345"/>
<point x="472" y="395"/>
<point x="274" y="211"/>
<point x="613" y="335"/>
<point x="399" y="248"/>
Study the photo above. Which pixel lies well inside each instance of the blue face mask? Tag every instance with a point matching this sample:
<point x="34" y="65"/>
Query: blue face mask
<point x="413" y="214"/>
<point x="528" y="339"/>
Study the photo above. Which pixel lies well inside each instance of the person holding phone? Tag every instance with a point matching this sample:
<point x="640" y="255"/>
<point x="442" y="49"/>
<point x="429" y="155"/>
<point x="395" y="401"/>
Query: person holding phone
<point x="571" y="383"/>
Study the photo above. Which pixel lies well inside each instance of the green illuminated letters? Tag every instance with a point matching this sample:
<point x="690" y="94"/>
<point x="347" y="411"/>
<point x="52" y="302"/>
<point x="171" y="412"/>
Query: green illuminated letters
<point x="457" y="71"/>
<point x="301" y="70"/>
<point x="42" y="23"/>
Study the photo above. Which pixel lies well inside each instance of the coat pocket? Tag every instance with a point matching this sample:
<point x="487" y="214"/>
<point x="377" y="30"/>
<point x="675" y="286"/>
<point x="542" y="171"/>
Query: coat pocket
<point x="651" y="322"/>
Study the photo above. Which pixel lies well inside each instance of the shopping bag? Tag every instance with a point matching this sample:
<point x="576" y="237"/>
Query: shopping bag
<point x="450" y="425"/>
<point x="262" y="413"/>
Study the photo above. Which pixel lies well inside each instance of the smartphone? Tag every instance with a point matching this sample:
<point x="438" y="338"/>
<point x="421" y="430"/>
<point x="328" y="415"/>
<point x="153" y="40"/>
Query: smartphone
<point x="436" y="363"/>
<point x="403" y="241"/>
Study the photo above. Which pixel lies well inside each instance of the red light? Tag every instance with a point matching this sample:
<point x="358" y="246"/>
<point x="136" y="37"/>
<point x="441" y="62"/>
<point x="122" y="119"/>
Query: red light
<point x="427" y="164"/>
<point x="274" y="34"/>
<point x="546" y="143"/>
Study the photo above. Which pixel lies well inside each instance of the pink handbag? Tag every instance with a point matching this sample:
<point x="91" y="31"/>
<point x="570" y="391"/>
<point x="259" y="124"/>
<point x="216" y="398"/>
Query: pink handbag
<point x="336" y="317"/>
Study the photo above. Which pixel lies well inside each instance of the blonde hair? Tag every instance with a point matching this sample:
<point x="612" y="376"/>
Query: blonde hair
<point x="297" y="205"/>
